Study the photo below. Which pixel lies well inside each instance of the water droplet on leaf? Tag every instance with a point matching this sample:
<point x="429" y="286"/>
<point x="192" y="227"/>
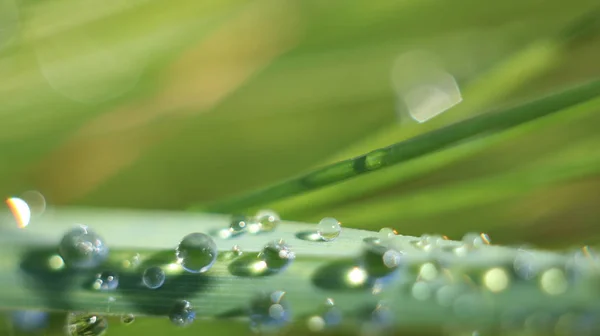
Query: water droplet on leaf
<point x="196" y="252"/>
<point x="182" y="314"/>
<point x="85" y="324"/>
<point x="238" y="225"/>
<point x="153" y="277"/>
<point x="329" y="228"/>
<point x="127" y="319"/>
<point x="277" y="255"/>
<point x="106" y="281"/>
<point x="83" y="248"/>
<point x="264" y="221"/>
<point x="269" y="312"/>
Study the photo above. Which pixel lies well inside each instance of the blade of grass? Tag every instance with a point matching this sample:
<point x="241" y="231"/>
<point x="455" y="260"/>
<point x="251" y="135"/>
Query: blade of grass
<point x="305" y="206"/>
<point x="26" y="282"/>
<point x="418" y="146"/>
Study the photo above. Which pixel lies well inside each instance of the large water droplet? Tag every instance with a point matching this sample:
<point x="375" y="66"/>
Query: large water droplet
<point x="269" y="312"/>
<point x="329" y="228"/>
<point x="106" y="281"/>
<point x="153" y="277"/>
<point x="196" y="252"/>
<point x="85" y="324"/>
<point x="83" y="248"/>
<point x="182" y="314"/>
<point x="238" y="225"/>
<point x="277" y="255"/>
<point x="327" y="316"/>
<point x="127" y="318"/>
<point x="264" y="221"/>
<point x="386" y="235"/>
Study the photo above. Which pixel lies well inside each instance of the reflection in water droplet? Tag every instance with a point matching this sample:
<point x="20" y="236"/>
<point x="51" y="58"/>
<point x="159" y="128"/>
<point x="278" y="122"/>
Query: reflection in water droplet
<point x="238" y="225"/>
<point x="84" y="324"/>
<point x="106" y="281"/>
<point x="196" y="252"/>
<point x="269" y="312"/>
<point x="83" y="248"/>
<point x="554" y="281"/>
<point x="327" y="316"/>
<point x="20" y="211"/>
<point x="277" y="255"/>
<point x="423" y="87"/>
<point x="496" y="279"/>
<point x="182" y="314"/>
<point x="132" y="262"/>
<point x="127" y="318"/>
<point x="264" y="221"/>
<point x="153" y="277"/>
<point x="329" y="228"/>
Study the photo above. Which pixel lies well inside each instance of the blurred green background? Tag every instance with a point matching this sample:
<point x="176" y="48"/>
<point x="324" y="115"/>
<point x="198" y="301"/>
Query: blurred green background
<point x="154" y="104"/>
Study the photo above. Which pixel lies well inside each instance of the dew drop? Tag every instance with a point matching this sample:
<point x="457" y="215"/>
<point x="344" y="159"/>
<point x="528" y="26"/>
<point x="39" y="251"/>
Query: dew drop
<point x="153" y="277"/>
<point x="386" y="235"/>
<point x="236" y="250"/>
<point x="327" y="316"/>
<point x="329" y="229"/>
<point x="196" y="252"/>
<point x="379" y="260"/>
<point x="269" y="312"/>
<point x="264" y="221"/>
<point x="277" y="255"/>
<point x="106" y="281"/>
<point x="127" y="318"/>
<point x="238" y="225"/>
<point x="85" y="324"/>
<point x="182" y="314"/>
<point x="476" y="240"/>
<point x="83" y="248"/>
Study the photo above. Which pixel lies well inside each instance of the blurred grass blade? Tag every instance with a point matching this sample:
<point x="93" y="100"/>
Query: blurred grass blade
<point x="412" y="148"/>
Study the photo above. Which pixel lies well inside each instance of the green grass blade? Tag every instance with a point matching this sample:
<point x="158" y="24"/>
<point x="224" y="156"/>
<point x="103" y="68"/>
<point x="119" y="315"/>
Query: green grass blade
<point x="321" y="270"/>
<point x="413" y="148"/>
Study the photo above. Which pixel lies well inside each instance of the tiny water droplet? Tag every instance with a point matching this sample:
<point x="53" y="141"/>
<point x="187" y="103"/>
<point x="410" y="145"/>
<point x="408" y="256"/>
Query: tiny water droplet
<point x="196" y="252"/>
<point x="327" y="316"/>
<point x="238" y="225"/>
<point x="127" y="318"/>
<point x="277" y="255"/>
<point x="85" y="324"/>
<point x="106" y="281"/>
<point x="236" y="250"/>
<point x="182" y="314"/>
<point x="82" y="248"/>
<point x="264" y="221"/>
<point x="269" y="312"/>
<point x="429" y="243"/>
<point x="329" y="228"/>
<point x="153" y="277"/>
<point x="379" y="260"/>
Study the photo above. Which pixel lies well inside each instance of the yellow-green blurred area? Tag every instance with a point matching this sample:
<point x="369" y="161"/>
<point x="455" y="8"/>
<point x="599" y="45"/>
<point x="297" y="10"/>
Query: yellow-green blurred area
<point x="159" y="104"/>
<point x="155" y="104"/>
